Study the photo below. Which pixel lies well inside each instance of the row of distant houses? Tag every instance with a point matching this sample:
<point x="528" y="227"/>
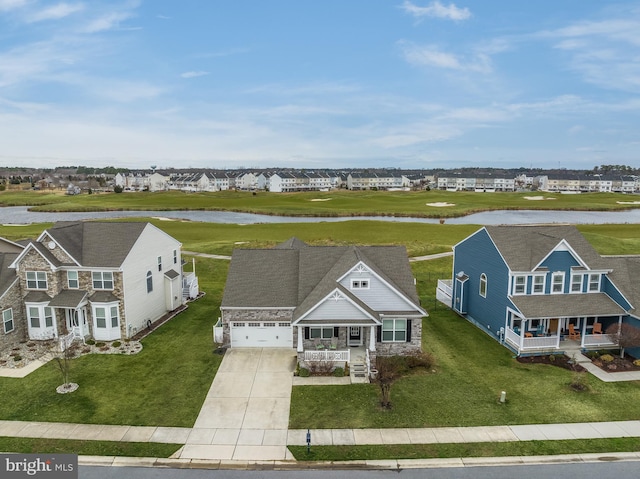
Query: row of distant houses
<point x="287" y="181"/>
<point x="278" y="182"/>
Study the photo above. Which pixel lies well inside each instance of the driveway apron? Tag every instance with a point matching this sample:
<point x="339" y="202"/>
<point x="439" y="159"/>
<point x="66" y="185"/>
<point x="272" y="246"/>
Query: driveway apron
<point x="245" y="415"/>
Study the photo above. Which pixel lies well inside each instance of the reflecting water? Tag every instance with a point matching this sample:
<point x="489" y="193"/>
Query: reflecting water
<point x="21" y="215"/>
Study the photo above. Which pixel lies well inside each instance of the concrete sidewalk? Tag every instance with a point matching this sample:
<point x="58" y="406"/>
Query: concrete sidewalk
<point x="322" y="437"/>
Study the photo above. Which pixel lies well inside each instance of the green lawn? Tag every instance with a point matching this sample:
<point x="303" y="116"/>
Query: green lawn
<point x="476" y="449"/>
<point x="335" y="203"/>
<point x="27" y="445"/>
<point x="164" y="385"/>
<point x="472" y="369"/>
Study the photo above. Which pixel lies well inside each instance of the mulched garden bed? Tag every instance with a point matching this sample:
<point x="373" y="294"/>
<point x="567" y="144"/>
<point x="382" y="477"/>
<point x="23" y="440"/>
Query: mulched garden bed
<point x="617" y="365"/>
<point x="559" y="360"/>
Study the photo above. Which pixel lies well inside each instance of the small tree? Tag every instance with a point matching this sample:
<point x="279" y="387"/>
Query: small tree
<point x="624" y="335"/>
<point x="63" y="360"/>
<point x="389" y="371"/>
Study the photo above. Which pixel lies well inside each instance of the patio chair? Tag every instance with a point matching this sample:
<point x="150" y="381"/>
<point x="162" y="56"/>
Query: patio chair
<point x="597" y="328"/>
<point x="573" y="334"/>
<point x="528" y="335"/>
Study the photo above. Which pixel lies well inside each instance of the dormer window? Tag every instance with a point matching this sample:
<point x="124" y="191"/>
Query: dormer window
<point x="359" y="284"/>
<point x="520" y="285"/>
<point x="594" y="282"/>
<point x="576" y="283"/>
<point x="538" y="284"/>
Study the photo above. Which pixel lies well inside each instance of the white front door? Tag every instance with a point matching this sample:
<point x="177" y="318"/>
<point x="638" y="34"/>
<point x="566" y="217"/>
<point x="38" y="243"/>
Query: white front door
<point x="261" y="334"/>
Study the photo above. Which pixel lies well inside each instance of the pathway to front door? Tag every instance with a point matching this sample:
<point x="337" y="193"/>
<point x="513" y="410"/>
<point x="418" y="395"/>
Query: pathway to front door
<point x="245" y="415"/>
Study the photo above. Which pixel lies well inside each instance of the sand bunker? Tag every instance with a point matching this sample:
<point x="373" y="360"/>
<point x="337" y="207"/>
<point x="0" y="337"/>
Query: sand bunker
<point x="441" y="204"/>
<point x="163" y="218"/>
<point x="320" y="199"/>
<point x="628" y="202"/>
<point x="537" y="198"/>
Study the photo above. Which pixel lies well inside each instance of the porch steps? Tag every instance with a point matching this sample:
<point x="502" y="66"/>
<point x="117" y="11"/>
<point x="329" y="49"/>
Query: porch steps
<point x="358" y="373"/>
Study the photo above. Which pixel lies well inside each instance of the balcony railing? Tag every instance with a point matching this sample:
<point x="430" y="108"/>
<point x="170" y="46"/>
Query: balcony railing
<point x="540" y="342"/>
<point x="596" y="340"/>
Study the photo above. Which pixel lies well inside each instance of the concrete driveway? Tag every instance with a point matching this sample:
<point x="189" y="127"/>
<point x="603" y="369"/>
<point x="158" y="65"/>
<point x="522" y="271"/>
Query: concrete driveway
<point x="245" y="415"/>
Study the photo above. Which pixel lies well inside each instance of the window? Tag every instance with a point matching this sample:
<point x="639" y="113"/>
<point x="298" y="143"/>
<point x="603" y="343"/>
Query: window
<point x="48" y="317"/>
<point x="576" y="283"/>
<point x="594" y="282"/>
<point x="72" y="279"/>
<point x="149" y="282"/>
<point x="483" y="285"/>
<point x="320" y="333"/>
<point x="359" y="284"/>
<point x="101" y="318"/>
<point x="269" y="325"/>
<point x="558" y="282"/>
<point x="34" y="317"/>
<point x="175" y="256"/>
<point x="520" y="284"/>
<point x="114" y="316"/>
<point x="538" y="284"/>
<point x="238" y="325"/>
<point x="159" y="263"/>
<point x="36" y="279"/>
<point x="102" y="279"/>
<point x="7" y="320"/>
<point x="394" y="330"/>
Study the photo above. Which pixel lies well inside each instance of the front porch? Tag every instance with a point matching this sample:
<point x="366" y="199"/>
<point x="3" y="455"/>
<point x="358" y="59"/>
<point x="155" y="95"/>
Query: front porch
<point x="546" y="335"/>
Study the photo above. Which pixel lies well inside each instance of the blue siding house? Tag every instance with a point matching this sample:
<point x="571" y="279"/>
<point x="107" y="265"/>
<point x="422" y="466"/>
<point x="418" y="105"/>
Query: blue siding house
<point x="534" y="287"/>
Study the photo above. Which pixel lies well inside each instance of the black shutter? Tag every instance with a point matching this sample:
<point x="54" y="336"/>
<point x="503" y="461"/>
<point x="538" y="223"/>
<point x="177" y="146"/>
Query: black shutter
<point x="306" y="332"/>
<point x="408" y="330"/>
<point x="336" y="331"/>
<point x="378" y="334"/>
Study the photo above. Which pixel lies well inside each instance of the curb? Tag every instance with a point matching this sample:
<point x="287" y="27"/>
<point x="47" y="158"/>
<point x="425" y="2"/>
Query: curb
<point x="391" y="464"/>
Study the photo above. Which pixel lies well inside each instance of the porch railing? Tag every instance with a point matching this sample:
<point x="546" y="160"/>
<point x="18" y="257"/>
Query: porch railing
<point x="540" y="342"/>
<point x="594" y="340"/>
<point x="327" y="355"/>
<point x="444" y="291"/>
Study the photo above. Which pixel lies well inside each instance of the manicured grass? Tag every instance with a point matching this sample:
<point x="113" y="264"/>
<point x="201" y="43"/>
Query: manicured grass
<point x="337" y="203"/>
<point x="164" y="385"/>
<point x="472" y="369"/>
<point x="27" y="445"/>
<point x="479" y="449"/>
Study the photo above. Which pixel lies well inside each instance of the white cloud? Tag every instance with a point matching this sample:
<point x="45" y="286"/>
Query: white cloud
<point x="437" y="10"/>
<point x="55" y="12"/>
<point x="432" y="56"/>
<point x="193" y="74"/>
<point x="162" y="17"/>
<point x="6" y="5"/>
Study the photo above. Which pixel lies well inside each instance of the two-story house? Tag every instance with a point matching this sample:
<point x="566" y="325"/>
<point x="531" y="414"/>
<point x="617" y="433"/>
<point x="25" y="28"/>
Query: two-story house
<point x="534" y="287"/>
<point x="102" y="280"/>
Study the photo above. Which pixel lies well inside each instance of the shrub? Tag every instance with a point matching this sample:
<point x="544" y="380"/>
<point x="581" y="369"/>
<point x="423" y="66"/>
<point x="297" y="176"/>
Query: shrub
<point x="17" y="358"/>
<point x="338" y="372"/>
<point x="421" y="360"/>
<point x="90" y="342"/>
<point x="579" y="382"/>
<point x="320" y="368"/>
<point x="606" y="358"/>
<point x="552" y="358"/>
<point x="592" y="354"/>
<point x="116" y="344"/>
<point x="304" y="373"/>
<point x="117" y="189"/>
<point x="100" y="344"/>
<point x="636" y="362"/>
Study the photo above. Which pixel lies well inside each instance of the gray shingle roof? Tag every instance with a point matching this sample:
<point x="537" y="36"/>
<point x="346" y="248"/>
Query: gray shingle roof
<point x="523" y="247"/>
<point x="7" y="276"/>
<point x="565" y="305"/>
<point x="68" y="298"/>
<point x="95" y="244"/>
<point x="625" y="273"/>
<point x="300" y="276"/>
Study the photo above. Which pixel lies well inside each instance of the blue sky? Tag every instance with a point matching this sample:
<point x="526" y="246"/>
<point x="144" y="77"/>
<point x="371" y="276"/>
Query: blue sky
<point x="325" y="83"/>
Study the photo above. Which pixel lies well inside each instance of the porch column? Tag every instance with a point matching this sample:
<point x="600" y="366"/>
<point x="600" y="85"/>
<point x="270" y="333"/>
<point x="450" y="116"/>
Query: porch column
<point x="558" y="328"/>
<point x="300" y="338"/>
<point x="372" y="338"/>
<point x="523" y="327"/>
<point x="583" y="331"/>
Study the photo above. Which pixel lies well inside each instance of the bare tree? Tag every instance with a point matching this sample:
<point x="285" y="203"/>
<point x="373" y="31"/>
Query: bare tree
<point x="63" y="360"/>
<point x="624" y="335"/>
<point x="389" y="371"/>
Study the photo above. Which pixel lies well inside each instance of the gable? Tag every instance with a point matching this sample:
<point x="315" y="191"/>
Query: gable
<point x="560" y="261"/>
<point x="337" y="307"/>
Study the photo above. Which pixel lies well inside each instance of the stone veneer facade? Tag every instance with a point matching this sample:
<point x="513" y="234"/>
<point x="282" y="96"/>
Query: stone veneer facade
<point x="13" y="299"/>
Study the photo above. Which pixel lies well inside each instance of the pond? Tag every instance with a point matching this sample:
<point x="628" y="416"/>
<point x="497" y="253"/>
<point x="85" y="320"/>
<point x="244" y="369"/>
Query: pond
<point x="21" y="215"/>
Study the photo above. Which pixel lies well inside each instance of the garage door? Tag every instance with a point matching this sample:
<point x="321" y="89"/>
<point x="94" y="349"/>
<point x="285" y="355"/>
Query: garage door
<point x="261" y="334"/>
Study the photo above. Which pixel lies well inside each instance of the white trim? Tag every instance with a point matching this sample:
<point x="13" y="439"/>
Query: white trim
<point x="4" y="322"/>
<point x="533" y="283"/>
<point x="383" y="281"/>
<point x="571" y="283"/>
<point x="515" y="284"/>
<point x="336" y="291"/>
<point x="554" y="275"/>
<point x="589" y="290"/>
<point x="51" y="238"/>
<point x="483" y="281"/>
<point x="568" y="247"/>
<point x="25" y="251"/>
